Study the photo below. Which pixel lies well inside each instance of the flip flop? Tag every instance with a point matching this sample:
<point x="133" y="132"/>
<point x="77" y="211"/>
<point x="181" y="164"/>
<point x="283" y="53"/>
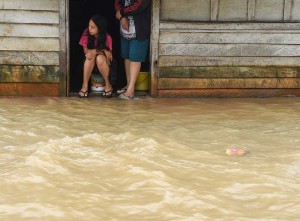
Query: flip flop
<point x="107" y="94"/>
<point x="121" y="91"/>
<point x="85" y="94"/>
<point x="125" y="97"/>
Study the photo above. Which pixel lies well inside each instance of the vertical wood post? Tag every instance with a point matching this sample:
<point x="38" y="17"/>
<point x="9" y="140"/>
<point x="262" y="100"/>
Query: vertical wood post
<point x="63" y="46"/>
<point x="154" y="47"/>
<point x="287" y="10"/>
<point x="251" y="10"/>
<point x="214" y="10"/>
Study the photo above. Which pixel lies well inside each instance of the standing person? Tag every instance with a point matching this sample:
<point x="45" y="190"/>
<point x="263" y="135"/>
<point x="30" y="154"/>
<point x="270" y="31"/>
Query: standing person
<point x="135" y="20"/>
<point x="97" y="47"/>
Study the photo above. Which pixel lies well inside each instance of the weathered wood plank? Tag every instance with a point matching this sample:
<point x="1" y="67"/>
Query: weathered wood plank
<point x="214" y="9"/>
<point x="154" y="46"/>
<point x="63" y="38"/>
<point x="28" y="58"/>
<point x="201" y="83"/>
<point x="233" y="10"/>
<point x="212" y="93"/>
<point x="33" y="17"/>
<point x="180" y="10"/>
<point x="48" y="5"/>
<point x="269" y="10"/>
<point x="251" y="10"/>
<point x="29" y="44"/>
<point x="225" y="38"/>
<point x="29" y="89"/>
<point x="287" y="10"/>
<point x="185" y="61"/>
<point x="229" y="72"/>
<point x="295" y="15"/>
<point x="29" y="74"/>
<point x="228" y="26"/>
<point x="29" y="30"/>
<point x="225" y="50"/>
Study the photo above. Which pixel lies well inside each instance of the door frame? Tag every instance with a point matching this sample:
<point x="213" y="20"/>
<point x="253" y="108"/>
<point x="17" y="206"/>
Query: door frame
<point x="64" y="47"/>
<point x="154" y="39"/>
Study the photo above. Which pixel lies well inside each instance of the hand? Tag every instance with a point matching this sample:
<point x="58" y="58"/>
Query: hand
<point x="90" y="54"/>
<point x="109" y="56"/>
<point x="125" y="24"/>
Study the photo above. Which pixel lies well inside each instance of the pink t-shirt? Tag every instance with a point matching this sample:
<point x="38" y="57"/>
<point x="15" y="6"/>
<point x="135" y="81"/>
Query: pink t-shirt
<point x="84" y="39"/>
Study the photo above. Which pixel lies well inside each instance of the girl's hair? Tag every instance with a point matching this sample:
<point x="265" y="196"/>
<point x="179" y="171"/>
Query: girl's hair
<point x="101" y="24"/>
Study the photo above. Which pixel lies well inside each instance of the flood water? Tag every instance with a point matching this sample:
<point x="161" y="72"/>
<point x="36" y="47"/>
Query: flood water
<point x="96" y="159"/>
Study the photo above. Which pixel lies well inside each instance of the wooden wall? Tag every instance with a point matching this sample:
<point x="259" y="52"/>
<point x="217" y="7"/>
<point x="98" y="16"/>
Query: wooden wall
<point x="228" y="48"/>
<point x="29" y="48"/>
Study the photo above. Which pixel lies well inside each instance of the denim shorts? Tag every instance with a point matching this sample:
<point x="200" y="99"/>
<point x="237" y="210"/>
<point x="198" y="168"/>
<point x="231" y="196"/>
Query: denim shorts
<point x="134" y="50"/>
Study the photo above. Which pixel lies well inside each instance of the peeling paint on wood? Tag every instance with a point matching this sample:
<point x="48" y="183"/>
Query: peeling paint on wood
<point x="209" y="83"/>
<point x="29" y="74"/>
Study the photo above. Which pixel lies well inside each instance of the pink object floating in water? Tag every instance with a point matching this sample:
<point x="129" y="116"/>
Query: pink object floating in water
<point x="233" y="151"/>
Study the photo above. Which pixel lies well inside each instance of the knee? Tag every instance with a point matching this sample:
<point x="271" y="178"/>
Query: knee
<point x="100" y="60"/>
<point x="89" y="61"/>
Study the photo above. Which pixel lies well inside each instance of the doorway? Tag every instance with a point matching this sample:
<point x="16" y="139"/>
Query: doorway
<point x="80" y="12"/>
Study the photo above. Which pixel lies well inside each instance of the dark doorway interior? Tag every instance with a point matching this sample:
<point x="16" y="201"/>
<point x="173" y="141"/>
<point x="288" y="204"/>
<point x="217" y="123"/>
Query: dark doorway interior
<point x="80" y="12"/>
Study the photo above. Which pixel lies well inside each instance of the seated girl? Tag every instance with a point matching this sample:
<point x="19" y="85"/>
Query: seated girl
<point x="97" y="47"/>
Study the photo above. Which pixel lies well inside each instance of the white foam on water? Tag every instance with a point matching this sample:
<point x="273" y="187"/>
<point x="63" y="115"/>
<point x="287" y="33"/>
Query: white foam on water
<point x="31" y="210"/>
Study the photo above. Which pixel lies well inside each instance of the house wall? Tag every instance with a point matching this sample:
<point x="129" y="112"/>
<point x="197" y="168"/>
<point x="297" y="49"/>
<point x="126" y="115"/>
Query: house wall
<point x="228" y="48"/>
<point x="29" y="48"/>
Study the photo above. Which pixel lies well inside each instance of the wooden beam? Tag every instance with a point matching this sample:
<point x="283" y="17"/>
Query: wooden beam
<point x="212" y="93"/>
<point x="154" y="46"/>
<point x="202" y="83"/>
<point x="29" y="89"/>
<point x="214" y="9"/>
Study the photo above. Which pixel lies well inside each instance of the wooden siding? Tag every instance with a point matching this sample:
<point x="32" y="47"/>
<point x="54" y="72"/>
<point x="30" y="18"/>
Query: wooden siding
<point x="230" y="10"/>
<point x="205" y="58"/>
<point x="29" y="47"/>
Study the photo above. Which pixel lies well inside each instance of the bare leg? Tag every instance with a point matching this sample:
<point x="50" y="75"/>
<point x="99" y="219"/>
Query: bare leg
<point x="135" y="68"/>
<point x="127" y="70"/>
<point x="87" y="71"/>
<point x="104" y="70"/>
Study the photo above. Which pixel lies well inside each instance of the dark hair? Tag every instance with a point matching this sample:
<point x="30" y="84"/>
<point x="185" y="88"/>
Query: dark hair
<point x="101" y="24"/>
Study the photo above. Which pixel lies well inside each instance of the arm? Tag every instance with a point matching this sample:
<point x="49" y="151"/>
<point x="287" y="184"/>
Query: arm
<point x="117" y="5"/>
<point x="136" y="8"/>
<point x="89" y="53"/>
